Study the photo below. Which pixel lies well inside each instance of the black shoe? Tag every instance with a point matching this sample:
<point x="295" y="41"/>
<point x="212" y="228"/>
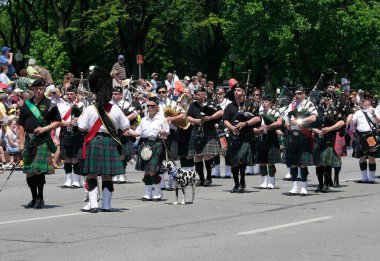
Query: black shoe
<point x="208" y="182"/>
<point x="30" y="204"/>
<point x="75" y="187"/>
<point x="93" y="210"/>
<point x="200" y="183"/>
<point x="65" y="186"/>
<point x="319" y="189"/>
<point x="215" y="177"/>
<point x="241" y="188"/>
<point x="39" y="203"/>
<point x="106" y="210"/>
<point x="249" y="174"/>
<point x="169" y="189"/>
<point x="362" y="181"/>
<point x="121" y="182"/>
<point x="326" y="188"/>
<point x="287" y="179"/>
<point x="227" y="177"/>
<point x="234" y="189"/>
<point x="371" y="182"/>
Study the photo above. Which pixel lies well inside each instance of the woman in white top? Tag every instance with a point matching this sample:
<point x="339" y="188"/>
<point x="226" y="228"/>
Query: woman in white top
<point x="150" y="130"/>
<point x="364" y="125"/>
<point x="12" y="139"/>
<point x="101" y="151"/>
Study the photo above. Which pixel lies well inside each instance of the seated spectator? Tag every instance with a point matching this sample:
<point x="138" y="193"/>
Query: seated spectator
<point x="32" y="72"/>
<point x="12" y="138"/>
<point x="23" y="82"/>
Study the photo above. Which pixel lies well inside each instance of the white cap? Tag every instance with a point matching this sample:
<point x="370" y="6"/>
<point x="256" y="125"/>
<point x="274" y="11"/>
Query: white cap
<point x="91" y="68"/>
<point x="32" y="62"/>
<point x="187" y="78"/>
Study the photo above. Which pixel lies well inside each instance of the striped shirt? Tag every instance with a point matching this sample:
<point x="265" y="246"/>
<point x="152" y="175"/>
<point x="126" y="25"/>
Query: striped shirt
<point x="118" y="71"/>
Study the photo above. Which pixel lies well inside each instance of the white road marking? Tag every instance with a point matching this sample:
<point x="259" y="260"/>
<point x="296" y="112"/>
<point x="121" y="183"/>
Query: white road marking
<point x="256" y="231"/>
<point x="56" y="216"/>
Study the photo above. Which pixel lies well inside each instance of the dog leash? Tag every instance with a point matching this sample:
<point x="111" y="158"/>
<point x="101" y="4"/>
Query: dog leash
<point x="13" y="169"/>
<point x="168" y="152"/>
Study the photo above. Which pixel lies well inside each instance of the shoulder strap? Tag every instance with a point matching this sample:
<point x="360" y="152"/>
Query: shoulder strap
<point x="370" y="123"/>
<point x="91" y="134"/>
<point x="103" y="115"/>
<point x="36" y="112"/>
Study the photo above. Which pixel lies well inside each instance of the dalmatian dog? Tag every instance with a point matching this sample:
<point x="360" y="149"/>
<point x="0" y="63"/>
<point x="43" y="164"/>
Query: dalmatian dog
<point x="182" y="179"/>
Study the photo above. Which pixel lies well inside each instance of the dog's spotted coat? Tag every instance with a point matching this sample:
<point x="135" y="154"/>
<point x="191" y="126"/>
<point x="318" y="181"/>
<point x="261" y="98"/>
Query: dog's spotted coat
<point x="182" y="179"/>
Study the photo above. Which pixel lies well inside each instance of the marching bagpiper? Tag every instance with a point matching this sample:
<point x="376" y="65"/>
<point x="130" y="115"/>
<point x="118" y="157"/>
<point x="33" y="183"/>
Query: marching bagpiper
<point x="298" y="117"/>
<point x="71" y="138"/>
<point x="325" y="156"/>
<point x="204" y="144"/>
<point x="268" y="146"/>
<point x="238" y="118"/>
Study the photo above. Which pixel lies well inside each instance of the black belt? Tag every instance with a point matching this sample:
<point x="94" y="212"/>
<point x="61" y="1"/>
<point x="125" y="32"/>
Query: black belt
<point x="103" y="134"/>
<point x="150" y="139"/>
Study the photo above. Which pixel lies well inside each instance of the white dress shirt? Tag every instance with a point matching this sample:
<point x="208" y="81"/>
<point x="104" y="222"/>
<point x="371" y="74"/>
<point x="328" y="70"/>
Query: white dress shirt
<point x="151" y="127"/>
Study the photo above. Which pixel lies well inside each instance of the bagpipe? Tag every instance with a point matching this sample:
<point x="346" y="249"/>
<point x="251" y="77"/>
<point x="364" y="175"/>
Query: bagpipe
<point x="304" y="113"/>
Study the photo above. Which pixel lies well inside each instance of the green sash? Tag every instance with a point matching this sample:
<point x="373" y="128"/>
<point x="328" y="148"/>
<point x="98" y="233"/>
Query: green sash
<point x="41" y="139"/>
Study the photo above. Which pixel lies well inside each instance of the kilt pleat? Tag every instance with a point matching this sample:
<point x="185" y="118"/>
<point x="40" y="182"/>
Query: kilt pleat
<point x="204" y="143"/>
<point x="298" y="151"/>
<point x="183" y="141"/>
<point x="327" y="156"/>
<point x="155" y="162"/>
<point x="240" y="151"/>
<point x="102" y="157"/>
<point x="71" y="147"/>
<point x="42" y="161"/>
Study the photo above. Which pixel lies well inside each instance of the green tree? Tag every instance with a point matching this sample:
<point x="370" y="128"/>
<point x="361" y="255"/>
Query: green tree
<point x="50" y="54"/>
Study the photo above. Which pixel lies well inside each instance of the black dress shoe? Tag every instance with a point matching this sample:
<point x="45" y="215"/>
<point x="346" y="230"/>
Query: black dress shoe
<point x="39" y="203"/>
<point x="241" y="188"/>
<point x="208" y="182"/>
<point x="287" y="179"/>
<point x="371" y="182"/>
<point x="65" y="186"/>
<point x="106" y="210"/>
<point x="93" y="210"/>
<point x="362" y="181"/>
<point x="234" y="189"/>
<point x="227" y="177"/>
<point x="200" y="183"/>
<point x="30" y="204"/>
<point x="319" y="189"/>
<point x="326" y="189"/>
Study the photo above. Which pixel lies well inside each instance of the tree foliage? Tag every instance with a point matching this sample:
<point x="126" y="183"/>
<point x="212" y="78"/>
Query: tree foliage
<point x="296" y="39"/>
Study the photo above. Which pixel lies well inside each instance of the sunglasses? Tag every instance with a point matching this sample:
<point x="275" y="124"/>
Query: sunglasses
<point x="151" y="106"/>
<point x="256" y="94"/>
<point x="163" y="92"/>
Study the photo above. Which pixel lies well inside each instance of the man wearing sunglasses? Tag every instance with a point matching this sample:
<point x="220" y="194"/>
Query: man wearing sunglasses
<point x="298" y="117"/>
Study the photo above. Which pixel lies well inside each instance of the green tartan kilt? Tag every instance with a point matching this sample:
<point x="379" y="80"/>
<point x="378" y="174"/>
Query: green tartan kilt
<point x="42" y="161"/>
<point x="155" y="162"/>
<point x="326" y="156"/>
<point x="102" y="157"/>
<point x="272" y="156"/>
<point x="204" y="143"/>
<point x="240" y="150"/>
<point x="128" y="149"/>
<point x="298" y="150"/>
<point x="358" y="151"/>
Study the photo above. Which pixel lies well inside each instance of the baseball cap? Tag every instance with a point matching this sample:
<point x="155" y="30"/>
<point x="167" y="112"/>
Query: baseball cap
<point x="120" y="57"/>
<point x="5" y="49"/>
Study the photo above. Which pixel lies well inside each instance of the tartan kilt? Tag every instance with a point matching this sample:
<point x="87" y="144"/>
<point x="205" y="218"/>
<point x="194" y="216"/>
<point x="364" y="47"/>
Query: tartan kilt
<point x="327" y="156"/>
<point x="42" y="161"/>
<point x="71" y="147"/>
<point x="298" y="150"/>
<point x="155" y="162"/>
<point x="183" y="141"/>
<point x="240" y="150"/>
<point x="204" y="143"/>
<point x="268" y="149"/>
<point x="102" y="157"/>
<point x="340" y="145"/>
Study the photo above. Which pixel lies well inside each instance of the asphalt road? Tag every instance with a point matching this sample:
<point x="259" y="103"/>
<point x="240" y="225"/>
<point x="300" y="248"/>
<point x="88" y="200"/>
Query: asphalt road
<point x="257" y="225"/>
